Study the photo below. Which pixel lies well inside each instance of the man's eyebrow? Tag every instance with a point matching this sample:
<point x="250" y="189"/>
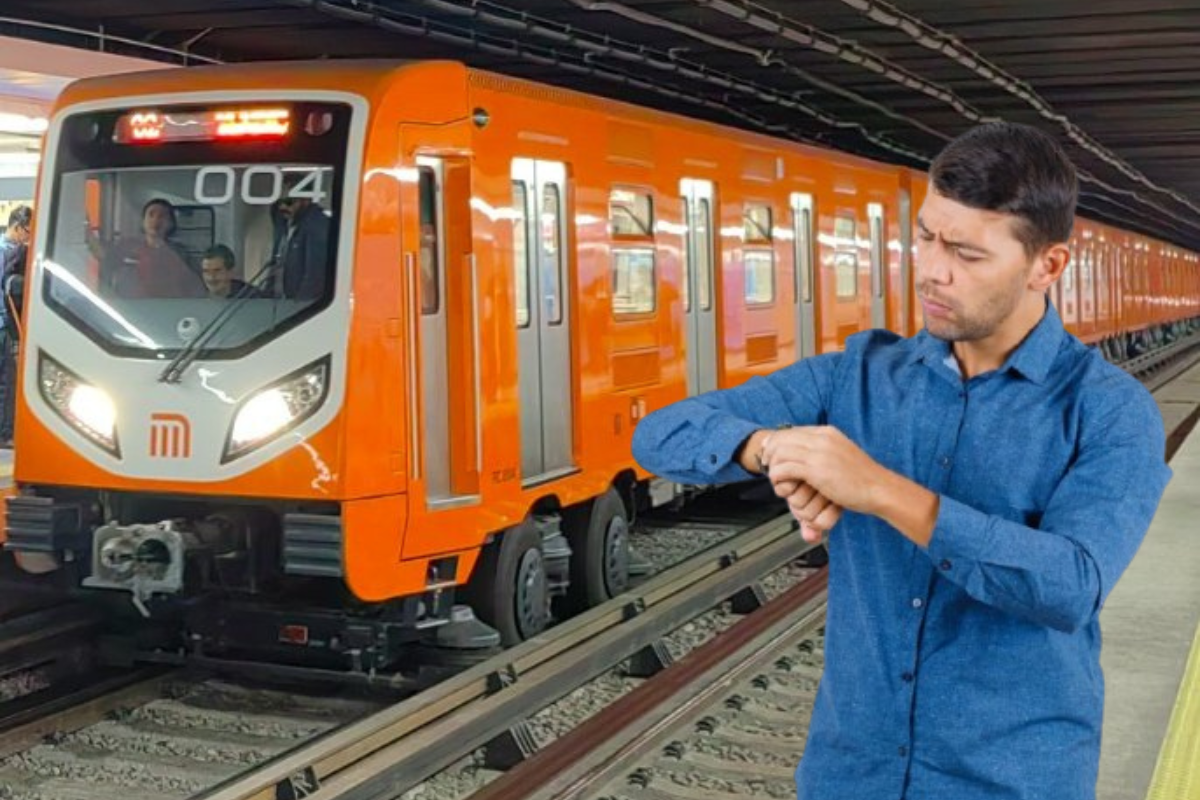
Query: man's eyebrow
<point x="952" y="243"/>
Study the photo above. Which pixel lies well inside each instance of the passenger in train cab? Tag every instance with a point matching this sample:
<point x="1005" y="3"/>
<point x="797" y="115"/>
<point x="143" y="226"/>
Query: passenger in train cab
<point x="217" y="269"/>
<point x="302" y="248"/>
<point x="984" y="484"/>
<point x="150" y="265"/>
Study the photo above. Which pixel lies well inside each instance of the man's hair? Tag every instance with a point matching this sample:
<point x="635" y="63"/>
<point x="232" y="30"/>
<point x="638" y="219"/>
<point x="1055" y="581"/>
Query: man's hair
<point x="222" y="252"/>
<point x="20" y="217"/>
<point x="1014" y="169"/>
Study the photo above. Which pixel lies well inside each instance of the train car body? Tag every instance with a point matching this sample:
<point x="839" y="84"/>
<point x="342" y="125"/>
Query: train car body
<point x="433" y="378"/>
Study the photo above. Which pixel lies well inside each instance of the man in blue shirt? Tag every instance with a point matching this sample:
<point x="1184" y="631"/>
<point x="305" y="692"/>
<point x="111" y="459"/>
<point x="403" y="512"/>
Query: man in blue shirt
<point x="993" y="478"/>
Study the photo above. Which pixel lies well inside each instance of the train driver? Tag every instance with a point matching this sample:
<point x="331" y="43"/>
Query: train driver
<point x="217" y="268"/>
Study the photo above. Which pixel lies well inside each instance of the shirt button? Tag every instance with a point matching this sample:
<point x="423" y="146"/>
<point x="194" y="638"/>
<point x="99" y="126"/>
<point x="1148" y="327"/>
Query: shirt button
<point x="907" y="677"/>
<point x="917" y="602"/>
<point x="902" y="750"/>
<point x="945" y="461"/>
<point x="945" y="565"/>
<point x="712" y="459"/>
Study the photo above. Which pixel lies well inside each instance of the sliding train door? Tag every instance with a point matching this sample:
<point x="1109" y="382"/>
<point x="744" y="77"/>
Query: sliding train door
<point x="543" y="318"/>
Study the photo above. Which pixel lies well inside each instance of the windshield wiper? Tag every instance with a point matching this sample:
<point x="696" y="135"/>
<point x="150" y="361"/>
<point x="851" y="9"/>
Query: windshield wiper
<point x="188" y="354"/>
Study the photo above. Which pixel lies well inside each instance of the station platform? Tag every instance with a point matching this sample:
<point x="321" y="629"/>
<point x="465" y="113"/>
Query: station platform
<point x="1151" y="739"/>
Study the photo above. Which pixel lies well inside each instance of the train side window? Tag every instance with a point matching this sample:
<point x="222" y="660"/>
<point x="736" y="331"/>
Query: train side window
<point x="430" y="290"/>
<point x="804" y="255"/>
<point x="630" y="213"/>
<point x="702" y="213"/>
<point x="760" y="277"/>
<point x="758" y="262"/>
<point x="633" y="280"/>
<point x="756" y="224"/>
<point x="845" y="259"/>
<point x="520" y="235"/>
<point x="552" y="257"/>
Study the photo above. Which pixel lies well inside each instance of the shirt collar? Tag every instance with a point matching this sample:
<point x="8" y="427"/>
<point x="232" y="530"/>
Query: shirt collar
<point x="1033" y="358"/>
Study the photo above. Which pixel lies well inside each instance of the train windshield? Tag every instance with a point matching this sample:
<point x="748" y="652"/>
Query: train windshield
<point x="162" y="217"/>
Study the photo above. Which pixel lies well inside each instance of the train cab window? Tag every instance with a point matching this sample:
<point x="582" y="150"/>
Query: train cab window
<point x="430" y="290"/>
<point x="845" y="258"/>
<point x="630" y="213"/>
<point x="520" y="236"/>
<point x="552" y="255"/>
<point x="130" y="226"/>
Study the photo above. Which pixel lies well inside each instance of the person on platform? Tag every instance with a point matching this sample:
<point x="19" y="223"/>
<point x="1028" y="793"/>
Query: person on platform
<point x="982" y="486"/>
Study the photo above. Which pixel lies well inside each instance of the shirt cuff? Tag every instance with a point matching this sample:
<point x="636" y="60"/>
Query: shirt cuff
<point x="961" y="534"/>
<point x="716" y="458"/>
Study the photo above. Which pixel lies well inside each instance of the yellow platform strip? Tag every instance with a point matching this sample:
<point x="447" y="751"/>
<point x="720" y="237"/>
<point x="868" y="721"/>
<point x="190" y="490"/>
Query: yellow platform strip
<point x="1177" y="773"/>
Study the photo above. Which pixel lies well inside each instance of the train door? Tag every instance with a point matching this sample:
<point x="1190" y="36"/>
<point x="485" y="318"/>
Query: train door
<point x="805" y="275"/>
<point x="878" y="265"/>
<point x="543" y="319"/>
<point x="698" y="286"/>
<point x="450" y="445"/>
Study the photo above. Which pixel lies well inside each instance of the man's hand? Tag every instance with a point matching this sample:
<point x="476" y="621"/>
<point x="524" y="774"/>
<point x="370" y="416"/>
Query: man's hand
<point x="816" y="514"/>
<point x="825" y="460"/>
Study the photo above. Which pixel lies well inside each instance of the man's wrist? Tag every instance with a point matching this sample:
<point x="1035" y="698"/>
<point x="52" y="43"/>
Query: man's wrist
<point x="747" y="455"/>
<point x="905" y="505"/>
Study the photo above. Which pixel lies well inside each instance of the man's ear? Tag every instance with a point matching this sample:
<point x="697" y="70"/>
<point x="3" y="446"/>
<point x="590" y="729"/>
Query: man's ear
<point x="1049" y="266"/>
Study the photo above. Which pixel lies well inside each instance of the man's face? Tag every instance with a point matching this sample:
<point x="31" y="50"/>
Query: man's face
<point x="289" y="207"/>
<point x="972" y="272"/>
<point x="157" y="221"/>
<point x="217" y="276"/>
<point x="19" y="234"/>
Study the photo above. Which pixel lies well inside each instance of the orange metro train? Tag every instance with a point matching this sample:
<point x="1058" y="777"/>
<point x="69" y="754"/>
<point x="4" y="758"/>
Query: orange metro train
<point x="501" y="279"/>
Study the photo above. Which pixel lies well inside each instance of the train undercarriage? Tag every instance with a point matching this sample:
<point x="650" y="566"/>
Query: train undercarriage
<point x="186" y="580"/>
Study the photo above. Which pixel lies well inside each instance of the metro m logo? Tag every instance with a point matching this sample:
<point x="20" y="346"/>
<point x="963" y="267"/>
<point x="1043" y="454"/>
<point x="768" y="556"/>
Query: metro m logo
<point x="170" y="436"/>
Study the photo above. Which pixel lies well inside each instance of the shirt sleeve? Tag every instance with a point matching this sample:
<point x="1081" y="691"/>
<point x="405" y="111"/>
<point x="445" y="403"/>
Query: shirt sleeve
<point x="1060" y="573"/>
<point x="694" y="441"/>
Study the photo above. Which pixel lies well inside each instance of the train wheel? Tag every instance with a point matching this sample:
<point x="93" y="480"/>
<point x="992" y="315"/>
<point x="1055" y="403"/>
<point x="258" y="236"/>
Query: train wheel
<point x="509" y="590"/>
<point x="599" y="540"/>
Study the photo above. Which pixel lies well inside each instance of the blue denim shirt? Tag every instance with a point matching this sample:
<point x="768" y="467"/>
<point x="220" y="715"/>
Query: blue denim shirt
<point x="968" y="669"/>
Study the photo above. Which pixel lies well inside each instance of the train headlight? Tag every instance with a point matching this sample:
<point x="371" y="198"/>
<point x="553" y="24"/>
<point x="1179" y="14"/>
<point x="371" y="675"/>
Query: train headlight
<point x="88" y="408"/>
<point x="270" y="412"/>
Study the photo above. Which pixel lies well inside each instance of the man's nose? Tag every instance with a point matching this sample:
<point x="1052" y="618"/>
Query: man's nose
<point x="933" y="264"/>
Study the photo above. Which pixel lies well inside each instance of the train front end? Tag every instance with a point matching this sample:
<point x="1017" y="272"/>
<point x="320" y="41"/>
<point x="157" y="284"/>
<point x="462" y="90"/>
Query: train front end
<point x="181" y="418"/>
